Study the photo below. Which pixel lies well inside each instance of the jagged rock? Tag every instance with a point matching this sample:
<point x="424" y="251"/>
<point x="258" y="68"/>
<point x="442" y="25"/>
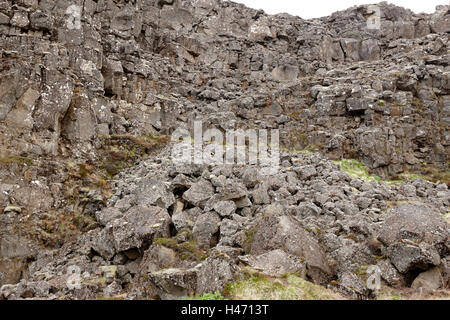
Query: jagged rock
<point x="407" y="256"/>
<point x="370" y="50"/>
<point x="205" y="228"/>
<point x="260" y="194"/>
<point x="186" y="219"/>
<point x="107" y="215"/>
<point x="231" y="233"/>
<point x="154" y="193"/>
<point x="199" y="193"/>
<point x="287" y="234"/>
<point x="41" y="20"/>
<point x="390" y="274"/>
<point x="139" y="225"/>
<point x="104" y="243"/>
<point x="351" y="284"/>
<point x="440" y="21"/>
<point x="20" y="19"/>
<point x="351" y="48"/>
<point x="214" y="273"/>
<point x="225" y="208"/>
<point x="308" y="209"/>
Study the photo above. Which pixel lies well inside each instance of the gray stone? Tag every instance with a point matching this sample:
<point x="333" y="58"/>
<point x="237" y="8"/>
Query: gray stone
<point x="186" y="219"/>
<point x="276" y="263"/>
<point x="199" y="193"/>
<point x="429" y="280"/>
<point x="214" y="274"/>
<point x="407" y="256"/>
<point x="414" y="222"/>
<point x="287" y="234"/>
<point x="20" y="19"/>
<point x="225" y="208"/>
<point x="205" y="228"/>
<point x="140" y="225"/>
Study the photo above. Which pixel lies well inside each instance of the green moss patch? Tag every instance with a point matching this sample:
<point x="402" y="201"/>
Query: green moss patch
<point x="188" y="250"/>
<point x="289" y="287"/>
<point x="207" y="296"/>
<point x="356" y="169"/>
<point x="121" y="151"/>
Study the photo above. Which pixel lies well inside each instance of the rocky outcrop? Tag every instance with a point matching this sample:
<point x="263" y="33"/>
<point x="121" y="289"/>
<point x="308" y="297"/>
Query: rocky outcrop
<point x="91" y="205"/>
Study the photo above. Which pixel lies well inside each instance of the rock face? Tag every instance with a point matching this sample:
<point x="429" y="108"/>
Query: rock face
<point x="286" y="233"/>
<point x="91" y="203"/>
<point x="416" y="236"/>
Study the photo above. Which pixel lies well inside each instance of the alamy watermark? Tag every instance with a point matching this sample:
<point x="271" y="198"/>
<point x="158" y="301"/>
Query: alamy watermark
<point x="257" y="147"/>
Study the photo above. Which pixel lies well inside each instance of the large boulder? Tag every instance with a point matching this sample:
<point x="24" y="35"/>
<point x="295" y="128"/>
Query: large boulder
<point x="429" y="280"/>
<point x="287" y="233"/>
<point x="215" y="272"/>
<point x="417" y="223"/>
<point x="199" y="193"/>
<point x="205" y="229"/>
<point x="408" y="256"/>
<point x="140" y="225"/>
<point x="172" y="284"/>
<point x="415" y="236"/>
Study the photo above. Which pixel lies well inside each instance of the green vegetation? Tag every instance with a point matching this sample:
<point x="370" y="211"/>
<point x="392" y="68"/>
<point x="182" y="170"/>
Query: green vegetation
<point x="429" y="173"/>
<point x="390" y="297"/>
<point x="121" y="151"/>
<point x="56" y="228"/>
<point x="188" y="250"/>
<point x="289" y="287"/>
<point x="207" y="296"/>
<point x="356" y="169"/>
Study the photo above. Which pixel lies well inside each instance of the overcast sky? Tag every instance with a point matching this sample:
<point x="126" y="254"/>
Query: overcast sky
<point x="320" y="8"/>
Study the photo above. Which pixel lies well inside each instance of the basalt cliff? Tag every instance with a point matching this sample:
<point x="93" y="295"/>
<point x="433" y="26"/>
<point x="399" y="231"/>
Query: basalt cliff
<point x="93" y="206"/>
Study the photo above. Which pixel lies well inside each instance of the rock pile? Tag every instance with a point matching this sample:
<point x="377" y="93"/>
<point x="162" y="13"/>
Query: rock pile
<point x="90" y="88"/>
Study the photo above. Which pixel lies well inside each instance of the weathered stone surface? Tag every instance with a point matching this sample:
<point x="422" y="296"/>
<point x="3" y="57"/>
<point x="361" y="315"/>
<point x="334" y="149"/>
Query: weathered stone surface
<point x="407" y="256"/>
<point x="154" y="193"/>
<point x="186" y="219"/>
<point x="157" y="258"/>
<point x="173" y="284"/>
<point x="214" y="273"/>
<point x="205" y="229"/>
<point x="199" y="193"/>
<point x="90" y="92"/>
<point x="276" y="263"/>
<point x="351" y="48"/>
<point x="390" y="274"/>
<point x="415" y="223"/>
<point x="370" y="50"/>
<point x="429" y="280"/>
<point x="287" y="234"/>
<point x="351" y="284"/>
<point x="225" y="208"/>
<point x="440" y="21"/>
<point x="139" y="225"/>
